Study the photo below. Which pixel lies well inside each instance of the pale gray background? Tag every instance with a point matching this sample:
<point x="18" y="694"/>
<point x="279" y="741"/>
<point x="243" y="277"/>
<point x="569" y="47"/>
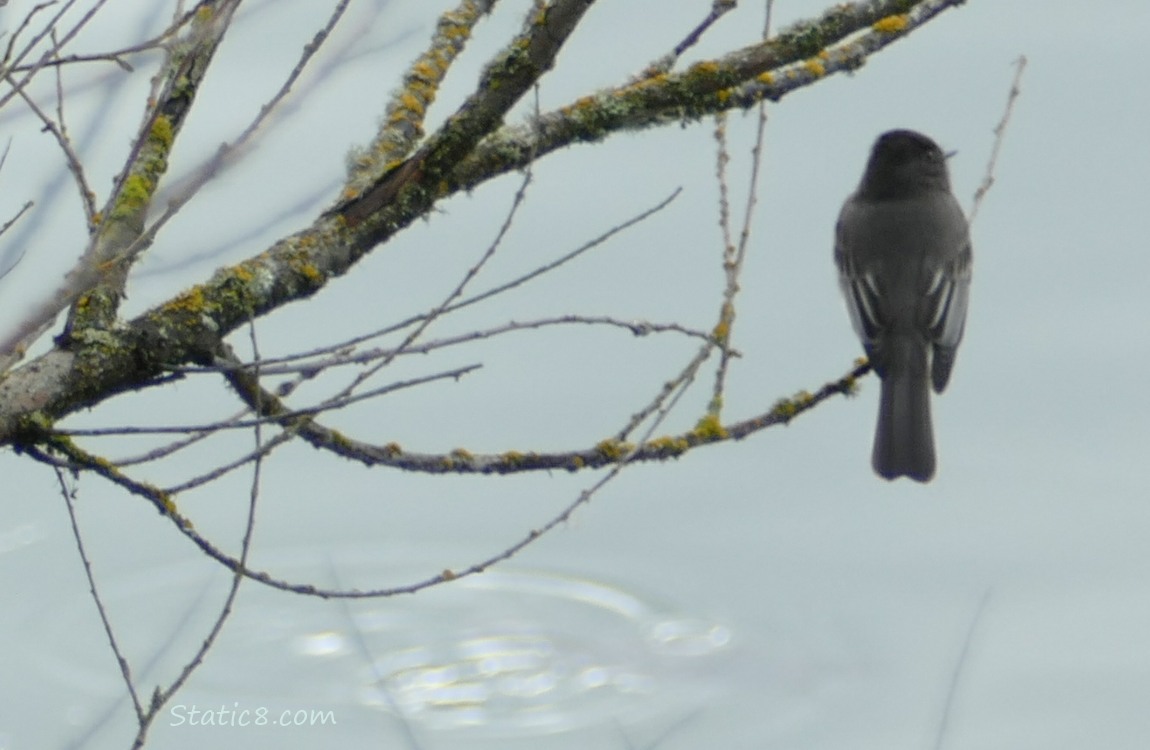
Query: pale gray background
<point x="848" y="599"/>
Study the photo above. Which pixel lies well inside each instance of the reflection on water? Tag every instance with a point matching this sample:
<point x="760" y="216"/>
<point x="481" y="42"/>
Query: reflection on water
<point x="509" y="653"/>
<point x="527" y="651"/>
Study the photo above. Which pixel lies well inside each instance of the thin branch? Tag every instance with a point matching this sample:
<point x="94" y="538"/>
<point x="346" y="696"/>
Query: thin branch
<point x="518" y="281"/>
<point x="229" y="154"/>
<point x="59" y="132"/>
<point x="293" y="422"/>
<point x="608" y="453"/>
<point x="516" y="69"/>
<point x="719" y="8"/>
<point x="87" y="195"/>
<point x="734" y="256"/>
<point x="371" y="662"/>
<point x="99" y="274"/>
<point x="161" y="697"/>
<point x="430" y="317"/>
<point x="122" y="238"/>
<point x="407" y="109"/>
<point x="795" y="58"/>
<point x="308" y="369"/>
<point x="956" y="674"/>
<point x="121" y="660"/>
<point x="284" y="415"/>
<point x="49" y="30"/>
<point x="186" y="328"/>
<point x="999" y="136"/>
<point x="116" y="56"/>
<point x="6" y="226"/>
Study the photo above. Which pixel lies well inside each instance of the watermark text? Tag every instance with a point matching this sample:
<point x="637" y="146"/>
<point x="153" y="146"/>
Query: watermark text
<point x="235" y="715"/>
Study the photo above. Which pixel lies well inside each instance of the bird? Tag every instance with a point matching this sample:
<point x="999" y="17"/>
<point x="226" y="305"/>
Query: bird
<point x="903" y="253"/>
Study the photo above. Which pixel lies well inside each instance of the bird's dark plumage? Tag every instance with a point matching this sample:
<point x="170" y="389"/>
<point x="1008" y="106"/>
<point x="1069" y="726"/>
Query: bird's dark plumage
<point x="903" y="253"/>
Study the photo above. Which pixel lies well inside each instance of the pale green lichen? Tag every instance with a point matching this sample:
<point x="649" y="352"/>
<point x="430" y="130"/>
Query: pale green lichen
<point x="613" y="450"/>
<point x="669" y="446"/>
<point x="709" y="429"/>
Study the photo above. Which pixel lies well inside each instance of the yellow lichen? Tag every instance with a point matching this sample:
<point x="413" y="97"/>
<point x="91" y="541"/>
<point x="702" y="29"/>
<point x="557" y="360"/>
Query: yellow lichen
<point x="162" y="132"/>
<point x="705" y="68"/>
<point x="412" y="103"/>
<point x="815" y="68"/>
<point x="190" y="301"/>
<point x="134" y="197"/>
<point x="654" y="80"/>
<point x="672" y="446"/>
<point x="425" y="70"/>
<point x="242" y="273"/>
<point x="709" y="428"/>
<point x="721" y="331"/>
<point x="784" y="408"/>
<point x="310" y="272"/>
<point x="613" y="450"/>
<point x="891" y="24"/>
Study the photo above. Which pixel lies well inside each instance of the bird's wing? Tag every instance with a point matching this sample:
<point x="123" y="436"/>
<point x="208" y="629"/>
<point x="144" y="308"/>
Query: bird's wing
<point x="860" y="289"/>
<point x="947" y="298"/>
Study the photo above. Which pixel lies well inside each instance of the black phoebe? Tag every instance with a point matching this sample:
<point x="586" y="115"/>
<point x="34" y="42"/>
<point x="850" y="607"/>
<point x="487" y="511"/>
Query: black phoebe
<point x="903" y="254"/>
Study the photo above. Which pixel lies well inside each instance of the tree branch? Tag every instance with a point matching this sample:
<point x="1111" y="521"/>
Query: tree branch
<point x="188" y="328"/>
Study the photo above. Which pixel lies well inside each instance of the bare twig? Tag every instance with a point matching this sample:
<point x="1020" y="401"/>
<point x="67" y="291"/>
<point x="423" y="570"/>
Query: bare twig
<point x="407" y="109"/>
<point x="113" y="643"/>
<point x="59" y="131"/>
<point x="229" y="154"/>
<point x="433" y="315"/>
<point x="612" y="454"/>
<point x="161" y="697"/>
<point x="49" y="30"/>
<point x="116" y="56"/>
<point x="718" y="9"/>
<point x="734" y="255"/>
<point x="956" y="675"/>
<point x="8" y="225"/>
<point x="452" y="374"/>
<point x="518" y="281"/>
<point x="999" y="136"/>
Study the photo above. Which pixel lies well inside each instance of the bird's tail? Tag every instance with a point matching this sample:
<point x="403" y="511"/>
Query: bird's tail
<point x="904" y="440"/>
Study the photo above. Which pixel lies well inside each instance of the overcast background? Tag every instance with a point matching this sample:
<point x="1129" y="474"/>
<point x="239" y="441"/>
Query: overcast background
<point x="769" y="593"/>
